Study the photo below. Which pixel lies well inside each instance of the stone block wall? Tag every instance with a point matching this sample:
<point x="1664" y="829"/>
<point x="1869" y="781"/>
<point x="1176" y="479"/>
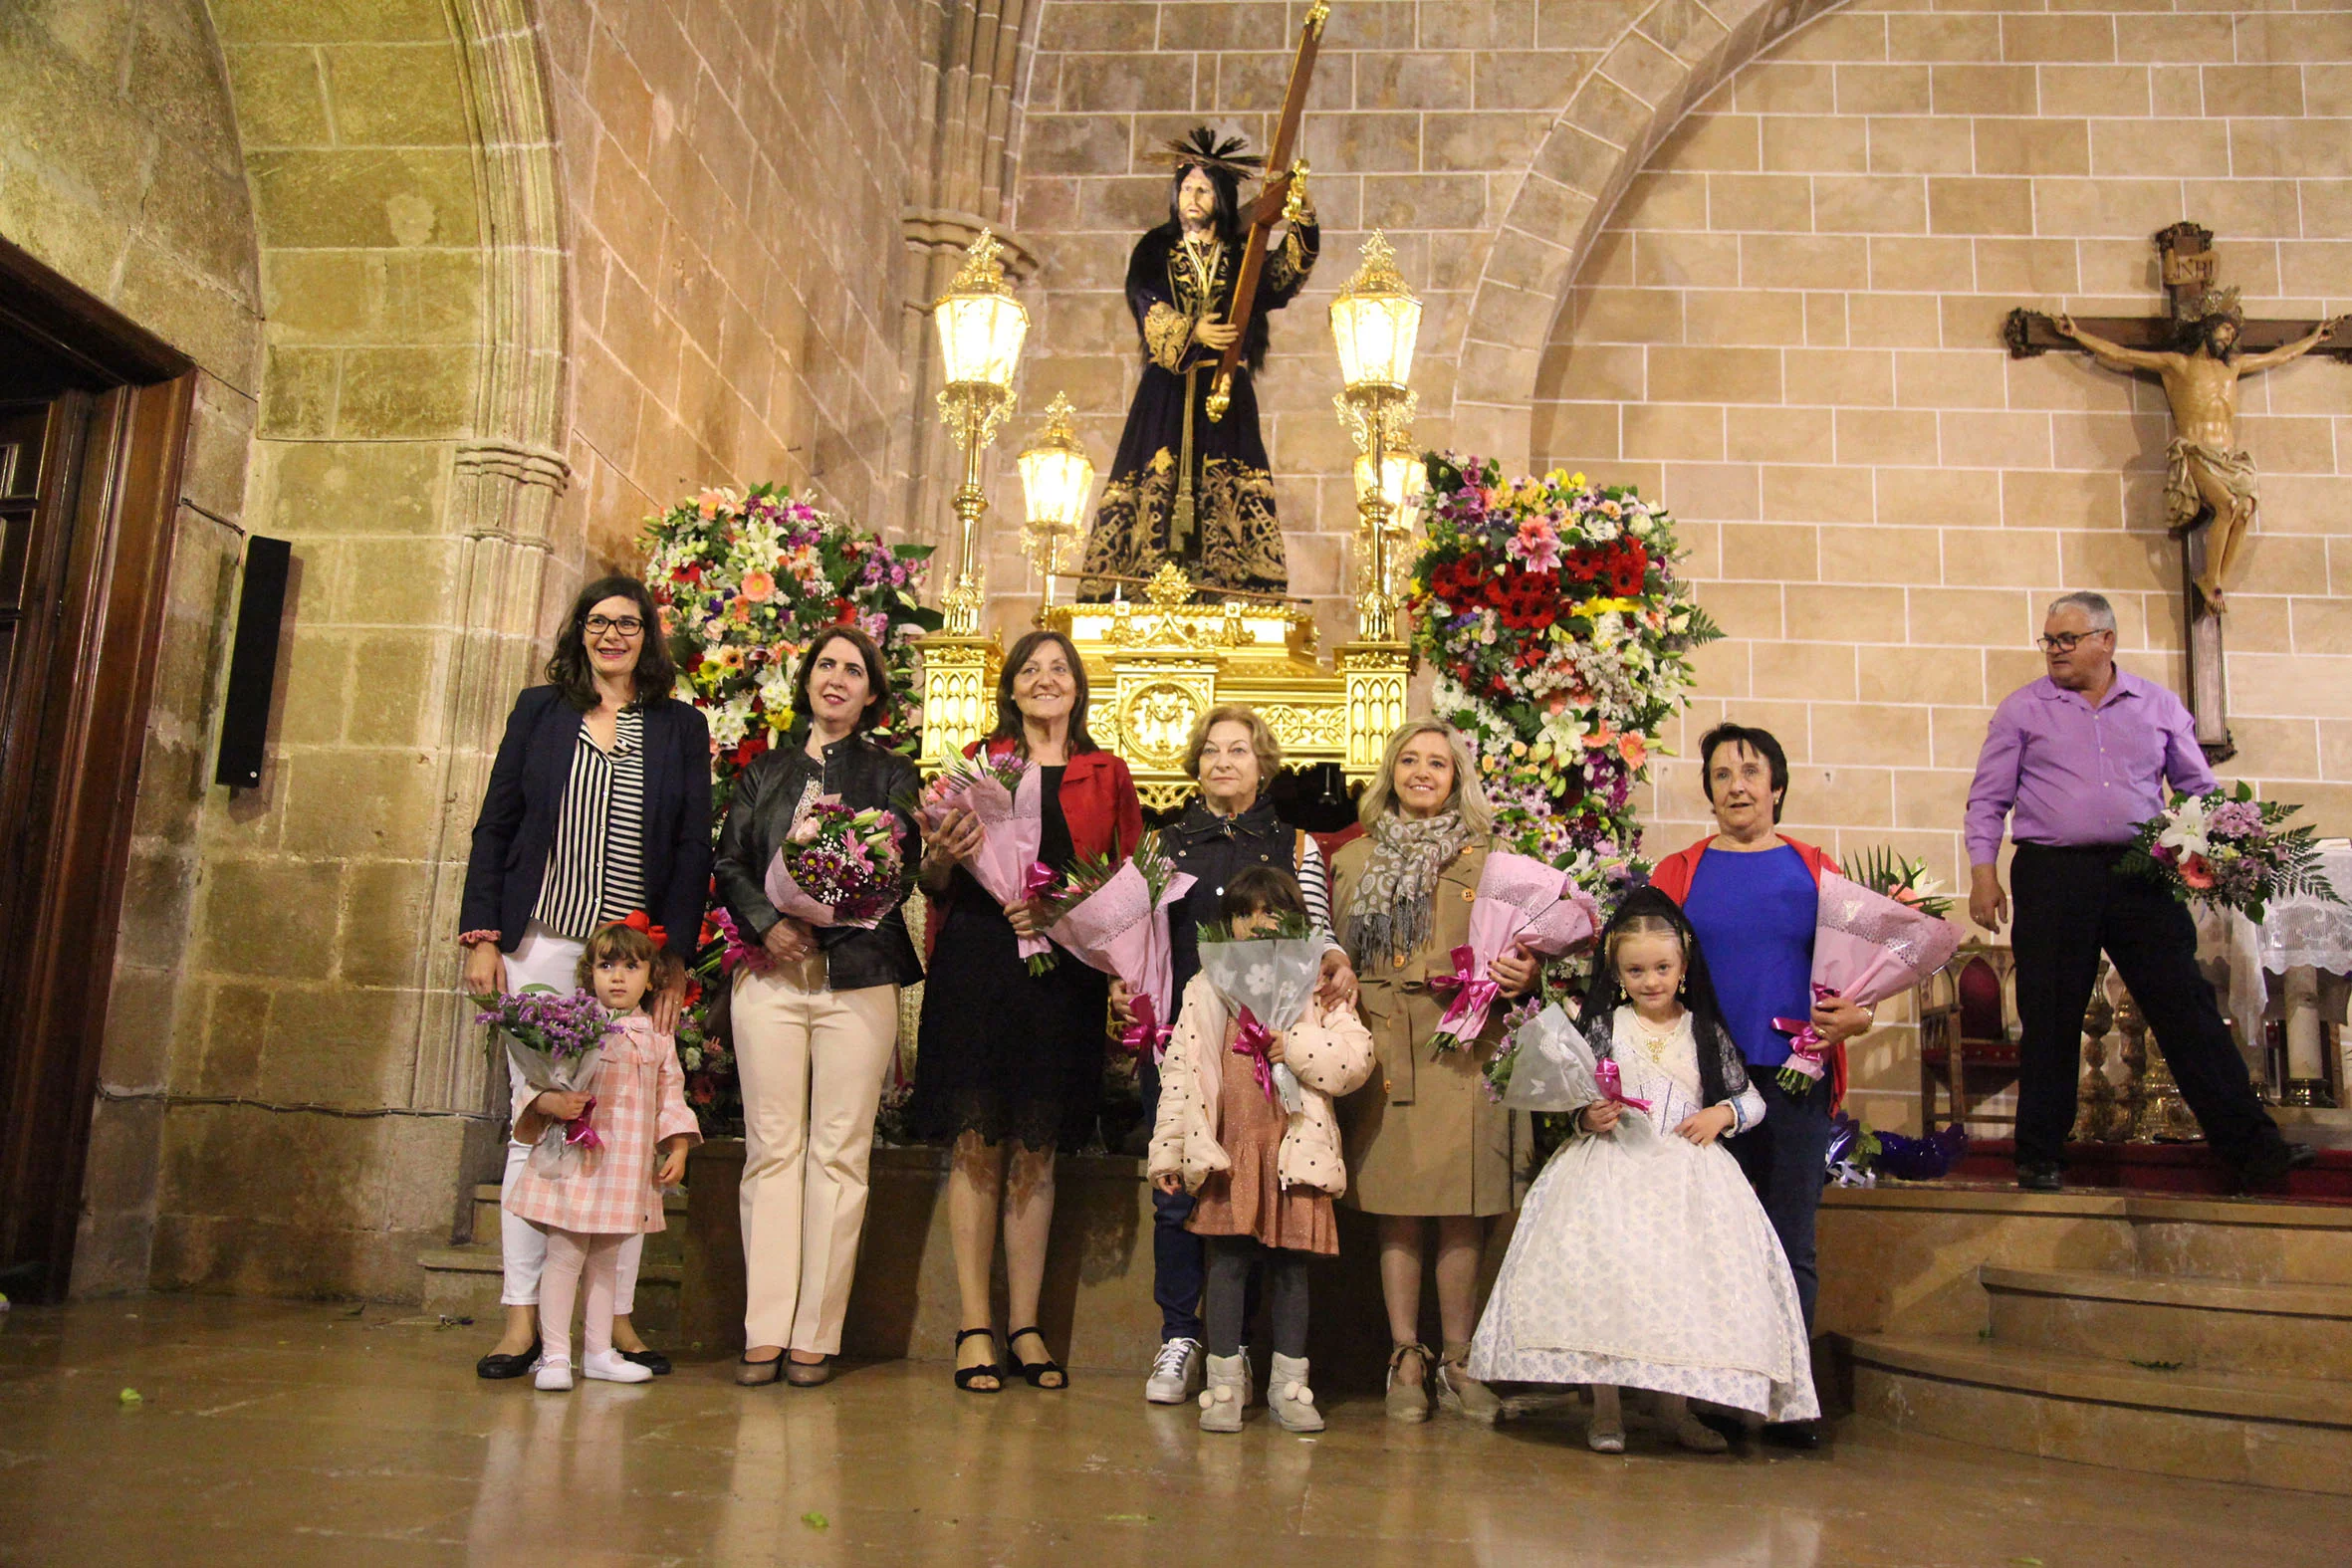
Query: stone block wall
<point x="732" y="175"/>
<point x="301" y="1147"/>
<point x="1789" y="330"/>
<point x="120" y="171"/>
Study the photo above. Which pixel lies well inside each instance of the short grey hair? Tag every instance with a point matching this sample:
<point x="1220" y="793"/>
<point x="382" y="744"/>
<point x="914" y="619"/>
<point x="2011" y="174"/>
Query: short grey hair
<point x="2094" y="606"/>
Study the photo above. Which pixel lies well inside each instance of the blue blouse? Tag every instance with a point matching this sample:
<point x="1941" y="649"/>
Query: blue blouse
<point x="1755" y="917"/>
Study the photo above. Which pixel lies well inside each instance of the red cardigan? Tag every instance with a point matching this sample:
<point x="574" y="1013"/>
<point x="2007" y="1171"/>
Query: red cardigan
<point x="1677" y="871"/>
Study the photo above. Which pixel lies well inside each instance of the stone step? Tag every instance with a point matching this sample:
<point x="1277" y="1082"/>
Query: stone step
<point x="667" y="1247"/>
<point x="2267" y="1431"/>
<point x="2147" y="1320"/>
<point x="465" y="1281"/>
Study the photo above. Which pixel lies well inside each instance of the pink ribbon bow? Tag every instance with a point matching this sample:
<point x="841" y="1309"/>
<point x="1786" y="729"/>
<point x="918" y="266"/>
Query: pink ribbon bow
<point x="1473" y="994"/>
<point x="1805" y="1045"/>
<point x="1612" y="1086"/>
<point x="578" y="1134"/>
<point x="1145" y="1032"/>
<point x="1252" y="1039"/>
<point x="1038" y="878"/>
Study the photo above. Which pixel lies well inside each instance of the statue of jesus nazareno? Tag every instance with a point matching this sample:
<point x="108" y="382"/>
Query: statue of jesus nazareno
<point x="1187" y="488"/>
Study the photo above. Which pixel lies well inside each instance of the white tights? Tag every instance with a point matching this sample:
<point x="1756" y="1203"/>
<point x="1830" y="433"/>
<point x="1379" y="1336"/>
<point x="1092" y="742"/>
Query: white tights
<point x="571" y="1258"/>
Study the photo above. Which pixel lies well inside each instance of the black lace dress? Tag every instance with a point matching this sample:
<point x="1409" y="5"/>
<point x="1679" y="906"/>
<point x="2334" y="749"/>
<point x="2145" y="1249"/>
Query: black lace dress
<point x="1014" y="1057"/>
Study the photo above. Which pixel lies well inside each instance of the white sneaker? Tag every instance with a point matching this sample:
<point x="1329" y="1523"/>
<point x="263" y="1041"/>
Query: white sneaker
<point x="554" y="1374"/>
<point x="610" y="1367"/>
<point x="1175" y="1373"/>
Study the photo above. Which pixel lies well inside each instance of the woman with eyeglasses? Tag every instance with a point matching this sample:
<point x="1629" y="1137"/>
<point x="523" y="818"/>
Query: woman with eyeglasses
<point x="599" y="805"/>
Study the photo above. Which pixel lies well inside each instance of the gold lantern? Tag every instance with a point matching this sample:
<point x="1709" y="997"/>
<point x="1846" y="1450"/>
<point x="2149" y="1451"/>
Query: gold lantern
<point x="1056" y="478"/>
<point x="1400" y="481"/>
<point x="1376" y="322"/>
<point x="981" y="328"/>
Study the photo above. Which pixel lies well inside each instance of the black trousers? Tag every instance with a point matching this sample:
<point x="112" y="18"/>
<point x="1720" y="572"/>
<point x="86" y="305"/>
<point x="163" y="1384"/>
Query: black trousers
<point x="2070" y="904"/>
<point x="1786" y="1158"/>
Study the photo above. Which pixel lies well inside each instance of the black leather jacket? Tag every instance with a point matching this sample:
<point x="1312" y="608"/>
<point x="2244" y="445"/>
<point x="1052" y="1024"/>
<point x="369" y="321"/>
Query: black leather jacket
<point x="766" y="794"/>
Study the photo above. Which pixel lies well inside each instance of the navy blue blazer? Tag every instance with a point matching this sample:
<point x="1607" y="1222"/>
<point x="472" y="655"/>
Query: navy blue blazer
<point x="516" y="827"/>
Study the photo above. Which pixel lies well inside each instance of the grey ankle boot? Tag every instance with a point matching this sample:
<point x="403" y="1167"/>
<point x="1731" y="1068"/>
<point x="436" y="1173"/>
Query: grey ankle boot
<point x="1228" y="1388"/>
<point x="1288" y="1396"/>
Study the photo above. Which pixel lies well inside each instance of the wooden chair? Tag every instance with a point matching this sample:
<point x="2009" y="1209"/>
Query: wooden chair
<point x="1964" y="1051"/>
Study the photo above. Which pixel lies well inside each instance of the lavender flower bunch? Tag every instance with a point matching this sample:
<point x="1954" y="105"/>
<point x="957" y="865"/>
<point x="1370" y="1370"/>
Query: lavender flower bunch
<point x="555" y="1040"/>
<point x="557" y="1023"/>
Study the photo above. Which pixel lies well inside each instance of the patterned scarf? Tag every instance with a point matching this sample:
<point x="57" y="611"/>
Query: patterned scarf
<point x="1390" y="912"/>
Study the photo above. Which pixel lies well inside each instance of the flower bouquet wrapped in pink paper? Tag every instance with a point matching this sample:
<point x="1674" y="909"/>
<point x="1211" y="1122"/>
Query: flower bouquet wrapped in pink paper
<point x="1002" y="791"/>
<point x="838" y="867"/>
<point x="1521" y="900"/>
<point x="1116" y="920"/>
<point x="1866" y="948"/>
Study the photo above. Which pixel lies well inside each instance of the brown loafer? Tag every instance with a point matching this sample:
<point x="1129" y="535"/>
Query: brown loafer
<point x="759" y="1374"/>
<point x="807" y="1374"/>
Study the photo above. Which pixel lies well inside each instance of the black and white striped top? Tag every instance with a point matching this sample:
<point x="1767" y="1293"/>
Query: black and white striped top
<point x="595" y="870"/>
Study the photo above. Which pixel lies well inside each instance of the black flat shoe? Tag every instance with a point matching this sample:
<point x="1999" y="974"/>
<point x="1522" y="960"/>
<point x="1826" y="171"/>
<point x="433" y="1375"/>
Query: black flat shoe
<point x="2035" y="1176"/>
<point x="495" y="1366"/>
<point x="1035" y="1373"/>
<point x="1804" y="1436"/>
<point x="2272" y="1164"/>
<point x="986" y="1369"/>
<point x="652" y="1361"/>
<point x="752" y="1373"/>
<point x="1729" y="1428"/>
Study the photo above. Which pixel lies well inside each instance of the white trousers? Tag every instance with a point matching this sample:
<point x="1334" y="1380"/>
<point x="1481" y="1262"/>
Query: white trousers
<point x="544" y="958"/>
<point x="811" y="1062"/>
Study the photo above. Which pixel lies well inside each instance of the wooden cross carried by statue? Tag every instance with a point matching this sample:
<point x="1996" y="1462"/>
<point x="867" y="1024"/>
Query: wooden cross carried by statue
<point x="2199" y="351"/>
<point x="1284" y="187"/>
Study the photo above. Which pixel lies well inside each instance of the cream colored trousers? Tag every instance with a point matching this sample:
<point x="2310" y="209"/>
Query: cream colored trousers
<point x="810" y="1062"/>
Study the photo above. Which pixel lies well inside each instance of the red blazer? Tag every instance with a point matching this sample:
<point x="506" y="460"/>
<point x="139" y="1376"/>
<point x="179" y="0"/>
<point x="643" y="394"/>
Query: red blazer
<point x="1677" y="871"/>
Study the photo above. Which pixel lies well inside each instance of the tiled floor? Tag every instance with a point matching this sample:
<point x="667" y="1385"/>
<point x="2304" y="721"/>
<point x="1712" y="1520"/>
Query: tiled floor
<point x="278" y="1433"/>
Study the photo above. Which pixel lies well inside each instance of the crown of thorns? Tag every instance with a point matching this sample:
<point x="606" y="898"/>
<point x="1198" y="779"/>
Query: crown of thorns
<point x="2214" y="302"/>
<point x="1203" y="150"/>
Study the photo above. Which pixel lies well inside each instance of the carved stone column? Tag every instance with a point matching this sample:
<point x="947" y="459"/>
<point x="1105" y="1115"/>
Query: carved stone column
<point x="504" y="482"/>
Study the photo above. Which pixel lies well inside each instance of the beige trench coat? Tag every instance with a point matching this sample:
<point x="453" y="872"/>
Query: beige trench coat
<point x="1423" y="1136"/>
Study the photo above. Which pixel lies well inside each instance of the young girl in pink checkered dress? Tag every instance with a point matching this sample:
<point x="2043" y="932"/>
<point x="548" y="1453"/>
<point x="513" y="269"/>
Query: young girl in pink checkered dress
<point x="637" y="1101"/>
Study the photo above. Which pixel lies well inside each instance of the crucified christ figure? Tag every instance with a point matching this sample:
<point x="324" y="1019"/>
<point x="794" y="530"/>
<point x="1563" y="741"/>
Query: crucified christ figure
<point x="2200" y="376"/>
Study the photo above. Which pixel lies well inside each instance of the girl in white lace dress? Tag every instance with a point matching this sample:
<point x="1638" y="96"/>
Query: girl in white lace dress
<point x="1642" y="1259"/>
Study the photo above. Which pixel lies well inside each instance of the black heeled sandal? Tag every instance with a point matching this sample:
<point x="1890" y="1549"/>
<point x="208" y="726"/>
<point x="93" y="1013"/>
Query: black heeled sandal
<point x="986" y="1369"/>
<point x="1035" y="1373"/>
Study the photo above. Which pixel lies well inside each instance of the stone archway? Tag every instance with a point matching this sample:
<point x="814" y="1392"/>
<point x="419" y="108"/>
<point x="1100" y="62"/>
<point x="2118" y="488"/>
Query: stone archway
<point x="1677" y="53"/>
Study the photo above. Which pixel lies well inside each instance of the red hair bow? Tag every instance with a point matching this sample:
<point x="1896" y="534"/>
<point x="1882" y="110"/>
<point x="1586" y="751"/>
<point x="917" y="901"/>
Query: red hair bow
<point x="637" y="919"/>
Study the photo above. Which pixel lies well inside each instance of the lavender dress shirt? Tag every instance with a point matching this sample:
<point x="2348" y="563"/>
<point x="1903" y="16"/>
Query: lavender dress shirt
<point x="2064" y="773"/>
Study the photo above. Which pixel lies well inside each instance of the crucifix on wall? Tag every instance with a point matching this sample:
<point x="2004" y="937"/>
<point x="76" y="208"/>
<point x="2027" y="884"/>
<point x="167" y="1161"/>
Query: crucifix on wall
<point x="2198" y="351"/>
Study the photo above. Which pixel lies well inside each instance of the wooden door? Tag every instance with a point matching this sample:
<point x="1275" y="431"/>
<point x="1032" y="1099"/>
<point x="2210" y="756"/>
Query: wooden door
<point x="94" y="417"/>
